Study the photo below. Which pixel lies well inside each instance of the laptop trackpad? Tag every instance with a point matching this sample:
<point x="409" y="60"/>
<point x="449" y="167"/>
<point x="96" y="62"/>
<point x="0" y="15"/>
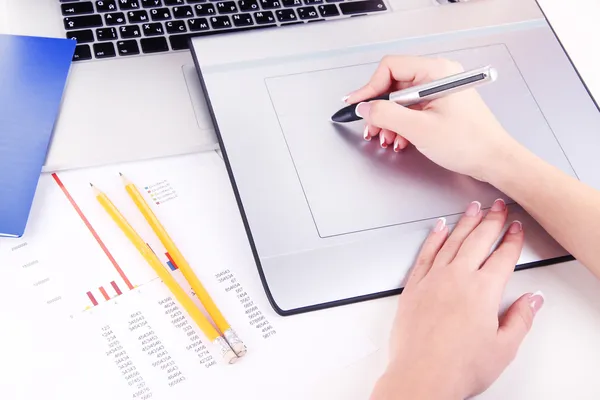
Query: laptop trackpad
<point x="197" y="97"/>
<point x="342" y="175"/>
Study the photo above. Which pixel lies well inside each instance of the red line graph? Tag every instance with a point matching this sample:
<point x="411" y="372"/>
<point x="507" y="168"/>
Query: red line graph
<point x="92" y="231"/>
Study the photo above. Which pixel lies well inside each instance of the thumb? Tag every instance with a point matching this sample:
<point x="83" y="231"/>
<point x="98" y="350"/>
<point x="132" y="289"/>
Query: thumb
<point x="399" y="119"/>
<point x="517" y="321"/>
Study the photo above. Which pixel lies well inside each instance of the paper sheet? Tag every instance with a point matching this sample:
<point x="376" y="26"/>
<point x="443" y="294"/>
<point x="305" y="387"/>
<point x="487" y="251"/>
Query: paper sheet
<point x="89" y="319"/>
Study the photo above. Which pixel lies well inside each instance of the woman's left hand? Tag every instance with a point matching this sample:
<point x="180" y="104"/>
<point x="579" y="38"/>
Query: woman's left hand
<point x="449" y="341"/>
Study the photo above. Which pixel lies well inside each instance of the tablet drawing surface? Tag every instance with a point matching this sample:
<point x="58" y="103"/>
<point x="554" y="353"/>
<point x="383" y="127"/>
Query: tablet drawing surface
<point x="343" y="175"/>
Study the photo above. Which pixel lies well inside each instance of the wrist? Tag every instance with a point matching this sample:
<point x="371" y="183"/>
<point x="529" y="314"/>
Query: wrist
<point x="410" y="382"/>
<point x="507" y="164"/>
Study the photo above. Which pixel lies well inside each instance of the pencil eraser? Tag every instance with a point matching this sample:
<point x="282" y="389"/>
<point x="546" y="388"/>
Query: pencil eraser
<point x="225" y="350"/>
<point x="230" y="357"/>
<point x="235" y="342"/>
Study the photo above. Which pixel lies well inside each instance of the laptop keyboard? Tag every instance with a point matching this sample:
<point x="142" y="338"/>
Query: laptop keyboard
<point x="125" y="28"/>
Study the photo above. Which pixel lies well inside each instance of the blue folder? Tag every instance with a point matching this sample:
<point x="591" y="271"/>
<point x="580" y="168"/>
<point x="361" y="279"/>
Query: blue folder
<point x="33" y="73"/>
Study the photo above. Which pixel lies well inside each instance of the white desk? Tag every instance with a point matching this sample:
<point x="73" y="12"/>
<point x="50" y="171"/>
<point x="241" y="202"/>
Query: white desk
<point x="560" y="359"/>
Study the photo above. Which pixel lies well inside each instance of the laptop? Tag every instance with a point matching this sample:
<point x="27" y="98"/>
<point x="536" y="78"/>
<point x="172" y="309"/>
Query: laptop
<point x="133" y="92"/>
<point x="333" y="219"/>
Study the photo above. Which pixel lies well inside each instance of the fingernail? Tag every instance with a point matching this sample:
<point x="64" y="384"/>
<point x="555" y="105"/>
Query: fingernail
<point x="366" y="134"/>
<point x="382" y="141"/>
<point x="440" y="225"/>
<point x="499" y="205"/>
<point x="473" y="209"/>
<point x="363" y="109"/>
<point x="345" y="98"/>
<point x="515" y="227"/>
<point x="536" y="301"/>
<point x="397" y="144"/>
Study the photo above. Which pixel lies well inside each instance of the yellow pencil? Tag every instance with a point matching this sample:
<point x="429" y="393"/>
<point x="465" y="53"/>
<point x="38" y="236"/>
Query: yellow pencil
<point x="230" y="335"/>
<point x="211" y="333"/>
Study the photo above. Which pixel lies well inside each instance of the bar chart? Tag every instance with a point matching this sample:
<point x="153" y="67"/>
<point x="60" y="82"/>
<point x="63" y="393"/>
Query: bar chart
<point x="83" y="261"/>
<point x="76" y="268"/>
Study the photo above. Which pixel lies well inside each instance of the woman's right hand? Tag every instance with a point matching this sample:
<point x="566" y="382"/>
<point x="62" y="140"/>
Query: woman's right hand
<point x="458" y="132"/>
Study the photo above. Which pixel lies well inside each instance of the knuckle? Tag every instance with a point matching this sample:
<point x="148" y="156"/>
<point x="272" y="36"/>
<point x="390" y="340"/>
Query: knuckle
<point x="524" y="315"/>
<point x="450" y="247"/>
<point x="447" y="66"/>
<point x="423" y="261"/>
<point x="387" y="60"/>
<point x="377" y="112"/>
<point x="452" y="66"/>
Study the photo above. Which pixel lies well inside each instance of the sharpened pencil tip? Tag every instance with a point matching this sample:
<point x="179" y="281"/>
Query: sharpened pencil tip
<point x="91" y="184"/>
<point x="120" y="174"/>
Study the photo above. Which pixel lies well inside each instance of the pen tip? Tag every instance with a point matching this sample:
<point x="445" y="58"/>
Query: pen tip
<point x="346" y="114"/>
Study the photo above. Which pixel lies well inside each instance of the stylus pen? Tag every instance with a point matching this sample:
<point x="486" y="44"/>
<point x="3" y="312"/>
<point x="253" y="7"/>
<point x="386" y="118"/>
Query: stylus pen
<point x="426" y="92"/>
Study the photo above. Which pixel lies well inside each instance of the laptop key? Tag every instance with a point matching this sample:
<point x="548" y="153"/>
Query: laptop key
<point x="137" y="17"/>
<point x="104" y="50"/>
<point x="154" y="45"/>
<point x="112" y="19"/>
<point x="86" y="21"/>
<point x="291" y="3"/>
<point x="106" y="5"/>
<point x="328" y="10"/>
<point x="242" y="20"/>
<point x="183" y="12"/>
<point x="307" y="13"/>
<point x="361" y="7"/>
<point x="220" y="22"/>
<point x="160" y="14"/>
<point x="128" y="47"/>
<point x="106" y="34"/>
<point x="203" y="10"/>
<point x="198" y="24"/>
<point x="248" y="5"/>
<point x="175" y="26"/>
<point x="151" y="3"/>
<point x="312" y="2"/>
<point x="153" y="29"/>
<point x="286" y="15"/>
<point x="264" y="17"/>
<point x="82" y="52"/>
<point x="130" y="31"/>
<point x="179" y="42"/>
<point x="196" y="1"/>
<point x="174" y="2"/>
<point x="270" y="4"/>
<point x="226" y="7"/>
<point x="82" y="7"/>
<point x="84" y="36"/>
<point x="127" y="5"/>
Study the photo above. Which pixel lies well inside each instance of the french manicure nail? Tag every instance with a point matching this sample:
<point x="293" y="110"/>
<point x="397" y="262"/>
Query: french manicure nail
<point x="382" y="141"/>
<point x="345" y="98"/>
<point x="515" y="227"/>
<point x="366" y="134"/>
<point x="440" y="225"/>
<point x="397" y="144"/>
<point x="536" y="301"/>
<point x="363" y="109"/>
<point x="473" y="209"/>
<point x="499" y="205"/>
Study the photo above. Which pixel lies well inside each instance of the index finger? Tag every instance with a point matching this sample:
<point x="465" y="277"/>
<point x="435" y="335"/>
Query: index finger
<point x="409" y="69"/>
